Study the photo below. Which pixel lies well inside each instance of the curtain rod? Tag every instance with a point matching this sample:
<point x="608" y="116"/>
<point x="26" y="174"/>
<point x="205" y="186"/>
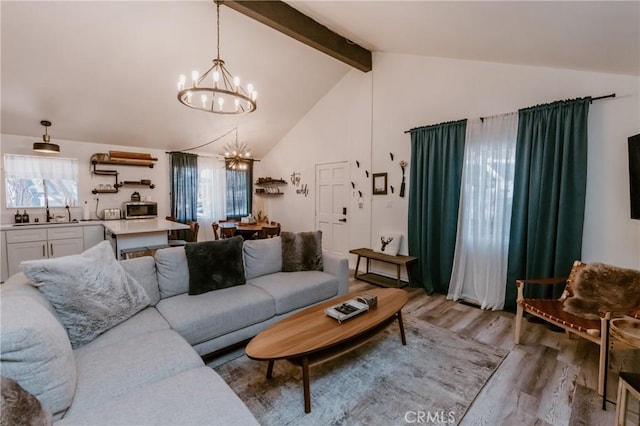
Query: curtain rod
<point x="612" y="95"/>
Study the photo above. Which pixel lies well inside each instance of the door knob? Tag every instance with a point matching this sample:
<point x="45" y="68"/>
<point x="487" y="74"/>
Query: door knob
<point x="342" y="220"/>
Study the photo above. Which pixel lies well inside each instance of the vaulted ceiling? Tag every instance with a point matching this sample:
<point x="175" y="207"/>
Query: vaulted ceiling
<point x="106" y="71"/>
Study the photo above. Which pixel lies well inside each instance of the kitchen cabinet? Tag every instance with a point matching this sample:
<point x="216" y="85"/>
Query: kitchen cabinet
<point x="92" y="235"/>
<point x="4" y="266"/>
<point x="42" y="243"/>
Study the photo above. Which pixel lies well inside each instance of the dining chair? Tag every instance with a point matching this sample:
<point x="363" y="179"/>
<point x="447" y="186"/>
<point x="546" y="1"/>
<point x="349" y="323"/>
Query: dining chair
<point x="215" y="227"/>
<point x="227" y="232"/>
<point x="269" y="232"/>
<point x="192" y="232"/>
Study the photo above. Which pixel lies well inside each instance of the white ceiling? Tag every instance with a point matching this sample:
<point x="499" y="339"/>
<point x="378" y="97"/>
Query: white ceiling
<point x="106" y="71"/>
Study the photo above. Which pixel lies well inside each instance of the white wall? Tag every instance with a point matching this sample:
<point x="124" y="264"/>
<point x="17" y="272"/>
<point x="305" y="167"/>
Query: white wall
<point x="159" y="175"/>
<point x="411" y="91"/>
<point x="337" y="129"/>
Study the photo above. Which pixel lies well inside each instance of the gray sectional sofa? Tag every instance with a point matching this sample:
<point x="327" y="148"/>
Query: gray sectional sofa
<point x="148" y="369"/>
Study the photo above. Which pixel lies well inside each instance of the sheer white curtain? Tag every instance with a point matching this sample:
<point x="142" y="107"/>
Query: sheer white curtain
<point x="29" y="166"/>
<point x="212" y="205"/>
<point x="484" y="218"/>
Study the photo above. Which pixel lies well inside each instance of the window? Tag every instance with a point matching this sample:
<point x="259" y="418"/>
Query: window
<point x="239" y="188"/>
<point x="32" y="181"/>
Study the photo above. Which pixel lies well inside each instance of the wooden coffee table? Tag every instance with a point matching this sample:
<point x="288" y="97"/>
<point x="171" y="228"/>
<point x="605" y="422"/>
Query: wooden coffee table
<point x="310" y="336"/>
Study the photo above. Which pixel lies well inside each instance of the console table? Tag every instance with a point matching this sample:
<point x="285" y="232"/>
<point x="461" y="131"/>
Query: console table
<point x="377" y="279"/>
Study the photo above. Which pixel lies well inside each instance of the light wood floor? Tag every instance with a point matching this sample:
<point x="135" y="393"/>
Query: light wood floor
<point x="535" y="383"/>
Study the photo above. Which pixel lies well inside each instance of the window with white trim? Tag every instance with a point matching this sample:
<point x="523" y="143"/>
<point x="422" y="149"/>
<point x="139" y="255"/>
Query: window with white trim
<point x="32" y="181"/>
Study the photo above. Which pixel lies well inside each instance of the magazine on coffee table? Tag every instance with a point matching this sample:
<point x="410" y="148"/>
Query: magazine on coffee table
<point x="345" y="310"/>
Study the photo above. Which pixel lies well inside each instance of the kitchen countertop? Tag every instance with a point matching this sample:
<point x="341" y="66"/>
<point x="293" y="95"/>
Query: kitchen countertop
<point x="38" y="225"/>
<point x="141" y="226"/>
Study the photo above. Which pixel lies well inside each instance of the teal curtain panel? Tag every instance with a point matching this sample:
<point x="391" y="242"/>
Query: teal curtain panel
<point x="549" y="195"/>
<point x="184" y="186"/>
<point x="437" y="156"/>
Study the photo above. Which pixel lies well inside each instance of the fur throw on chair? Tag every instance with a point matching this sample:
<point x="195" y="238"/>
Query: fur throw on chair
<point x="603" y="288"/>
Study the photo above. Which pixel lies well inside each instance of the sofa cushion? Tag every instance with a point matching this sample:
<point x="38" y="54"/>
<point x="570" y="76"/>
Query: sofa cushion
<point x="301" y="251"/>
<point x="143" y="269"/>
<point x="197" y="396"/>
<point x="19" y="407"/>
<point x="214" y="265"/>
<point x="114" y="370"/>
<point x="173" y="272"/>
<point x="146" y="321"/>
<point x="209" y="315"/>
<point x="293" y="290"/>
<point x="91" y="292"/>
<point x="262" y="257"/>
<point x="36" y="352"/>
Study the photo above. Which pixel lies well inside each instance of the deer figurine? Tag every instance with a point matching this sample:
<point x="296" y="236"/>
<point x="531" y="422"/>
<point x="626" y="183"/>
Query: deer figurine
<point x="385" y="242"/>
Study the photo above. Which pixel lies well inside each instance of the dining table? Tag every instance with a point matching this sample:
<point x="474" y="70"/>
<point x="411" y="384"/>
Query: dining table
<point x="246" y="230"/>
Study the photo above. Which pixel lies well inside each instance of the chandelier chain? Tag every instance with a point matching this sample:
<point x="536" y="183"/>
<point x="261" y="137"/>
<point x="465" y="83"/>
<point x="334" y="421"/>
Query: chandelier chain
<point x="218" y="27"/>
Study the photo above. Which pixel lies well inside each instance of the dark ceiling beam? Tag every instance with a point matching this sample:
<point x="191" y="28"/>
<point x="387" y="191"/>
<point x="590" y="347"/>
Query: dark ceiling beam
<point x="284" y="18"/>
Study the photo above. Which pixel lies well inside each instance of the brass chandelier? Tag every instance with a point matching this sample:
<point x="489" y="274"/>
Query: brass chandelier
<point x="217" y="90"/>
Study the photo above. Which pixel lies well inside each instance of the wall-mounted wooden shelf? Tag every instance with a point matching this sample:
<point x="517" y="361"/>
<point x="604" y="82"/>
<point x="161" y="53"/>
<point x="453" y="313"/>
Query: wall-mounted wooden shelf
<point x="270" y="182"/>
<point x="135" y="183"/>
<point x="125" y="162"/>
<point x="104" y="191"/>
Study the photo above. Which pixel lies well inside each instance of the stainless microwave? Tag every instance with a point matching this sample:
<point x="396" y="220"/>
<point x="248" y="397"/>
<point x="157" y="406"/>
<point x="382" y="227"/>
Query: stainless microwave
<point x="140" y="210"/>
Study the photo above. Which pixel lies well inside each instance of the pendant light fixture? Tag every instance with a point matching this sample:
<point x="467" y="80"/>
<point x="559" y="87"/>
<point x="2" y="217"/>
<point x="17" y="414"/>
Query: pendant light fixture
<point x="237" y="155"/>
<point x="46" y="146"/>
<point x="217" y="90"/>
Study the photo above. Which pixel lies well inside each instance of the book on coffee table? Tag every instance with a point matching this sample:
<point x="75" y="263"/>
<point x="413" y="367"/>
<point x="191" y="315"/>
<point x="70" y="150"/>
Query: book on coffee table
<point x="345" y="310"/>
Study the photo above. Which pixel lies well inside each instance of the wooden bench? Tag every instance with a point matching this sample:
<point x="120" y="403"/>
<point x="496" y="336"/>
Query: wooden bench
<point x="377" y="279"/>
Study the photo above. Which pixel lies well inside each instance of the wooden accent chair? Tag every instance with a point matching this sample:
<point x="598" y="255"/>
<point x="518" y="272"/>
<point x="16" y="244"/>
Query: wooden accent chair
<point x="551" y="310"/>
<point x="216" y="228"/>
<point x="227" y="232"/>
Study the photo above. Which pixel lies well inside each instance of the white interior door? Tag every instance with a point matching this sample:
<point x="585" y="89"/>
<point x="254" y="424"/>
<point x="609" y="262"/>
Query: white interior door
<point x="332" y="202"/>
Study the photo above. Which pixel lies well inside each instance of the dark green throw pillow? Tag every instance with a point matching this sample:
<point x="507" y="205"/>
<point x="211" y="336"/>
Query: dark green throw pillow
<point x="214" y="265"/>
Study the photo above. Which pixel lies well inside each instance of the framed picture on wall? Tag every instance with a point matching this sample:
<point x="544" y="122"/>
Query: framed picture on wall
<point x="379" y="184"/>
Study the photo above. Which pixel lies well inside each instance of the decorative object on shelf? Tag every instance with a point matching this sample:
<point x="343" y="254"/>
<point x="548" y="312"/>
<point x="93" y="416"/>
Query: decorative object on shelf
<point x="303" y="190"/>
<point x="223" y="94"/>
<point x="46" y="146"/>
<point x="237" y="155"/>
<point x="295" y="178"/>
<point x="379" y="184"/>
<point x="269" y="186"/>
<point x="403" y="164"/>
<point x="391" y="155"/>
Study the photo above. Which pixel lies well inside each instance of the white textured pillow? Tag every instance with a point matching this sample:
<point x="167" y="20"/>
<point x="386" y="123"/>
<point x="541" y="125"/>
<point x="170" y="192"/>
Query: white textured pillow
<point x="90" y="292"/>
<point x="388" y="243"/>
<point x="262" y="257"/>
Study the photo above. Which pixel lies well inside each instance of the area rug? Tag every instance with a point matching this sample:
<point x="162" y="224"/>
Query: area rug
<point x="433" y="379"/>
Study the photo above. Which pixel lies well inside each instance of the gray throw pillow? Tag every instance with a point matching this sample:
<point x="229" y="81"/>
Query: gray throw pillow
<point x="90" y="292"/>
<point x="301" y="251"/>
<point x="19" y="407"/>
<point x="215" y="265"/>
<point x="262" y="257"/>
